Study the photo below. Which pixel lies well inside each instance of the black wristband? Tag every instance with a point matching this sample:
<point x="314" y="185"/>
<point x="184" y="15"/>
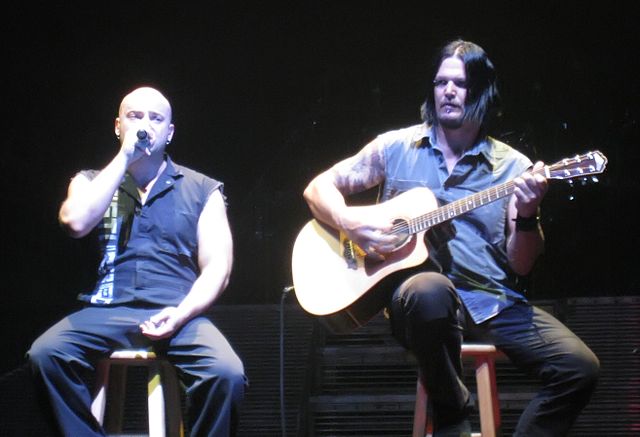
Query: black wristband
<point x="526" y="223"/>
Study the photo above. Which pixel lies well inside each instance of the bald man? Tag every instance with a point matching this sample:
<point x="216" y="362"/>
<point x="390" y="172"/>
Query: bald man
<point x="166" y="257"/>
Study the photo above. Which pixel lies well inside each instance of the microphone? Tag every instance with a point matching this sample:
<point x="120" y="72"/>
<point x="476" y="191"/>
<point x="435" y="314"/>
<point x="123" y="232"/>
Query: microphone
<point x="142" y="135"/>
<point x="143" y="141"/>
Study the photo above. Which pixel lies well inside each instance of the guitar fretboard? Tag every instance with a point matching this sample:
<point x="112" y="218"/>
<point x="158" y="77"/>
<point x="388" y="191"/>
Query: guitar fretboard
<point x="459" y="207"/>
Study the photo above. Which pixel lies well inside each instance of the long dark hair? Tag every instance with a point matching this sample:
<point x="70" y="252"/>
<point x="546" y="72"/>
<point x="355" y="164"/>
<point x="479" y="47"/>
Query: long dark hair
<point x="483" y="99"/>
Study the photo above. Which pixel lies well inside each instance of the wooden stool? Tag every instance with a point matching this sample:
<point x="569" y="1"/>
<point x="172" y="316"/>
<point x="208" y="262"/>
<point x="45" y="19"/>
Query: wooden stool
<point x="162" y="381"/>
<point x="484" y="356"/>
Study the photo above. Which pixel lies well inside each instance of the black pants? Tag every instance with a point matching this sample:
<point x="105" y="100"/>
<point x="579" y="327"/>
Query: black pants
<point x="205" y="362"/>
<point x="428" y="318"/>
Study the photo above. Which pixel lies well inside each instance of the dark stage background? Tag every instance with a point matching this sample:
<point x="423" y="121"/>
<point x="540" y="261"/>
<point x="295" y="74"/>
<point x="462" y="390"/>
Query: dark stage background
<point x="267" y="94"/>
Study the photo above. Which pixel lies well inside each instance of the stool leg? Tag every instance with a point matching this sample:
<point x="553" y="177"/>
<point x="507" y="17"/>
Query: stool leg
<point x="155" y="402"/>
<point x="173" y="406"/>
<point x="422" y="415"/>
<point x="485" y="370"/>
<point x="495" y="399"/>
<point x="101" y="385"/>
<point x="118" y="388"/>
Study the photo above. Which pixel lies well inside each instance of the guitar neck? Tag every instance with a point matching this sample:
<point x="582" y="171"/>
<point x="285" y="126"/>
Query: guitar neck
<point x="462" y="206"/>
<point x="590" y="163"/>
<point x="459" y="207"/>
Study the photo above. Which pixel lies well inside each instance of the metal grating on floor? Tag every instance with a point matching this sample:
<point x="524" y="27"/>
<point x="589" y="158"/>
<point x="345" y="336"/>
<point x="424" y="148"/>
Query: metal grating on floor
<point x="254" y="332"/>
<point x="611" y="328"/>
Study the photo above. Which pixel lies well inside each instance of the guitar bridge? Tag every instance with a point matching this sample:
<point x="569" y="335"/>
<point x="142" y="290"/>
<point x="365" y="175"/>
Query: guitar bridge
<point x="350" y="252"/>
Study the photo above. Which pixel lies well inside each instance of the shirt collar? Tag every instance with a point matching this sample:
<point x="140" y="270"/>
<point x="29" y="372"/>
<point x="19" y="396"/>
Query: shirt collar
<point x="172" y="170"/>
<point x="422" y="137"/>
<point x="166" y="179"/>
<point x="421" y="133"/>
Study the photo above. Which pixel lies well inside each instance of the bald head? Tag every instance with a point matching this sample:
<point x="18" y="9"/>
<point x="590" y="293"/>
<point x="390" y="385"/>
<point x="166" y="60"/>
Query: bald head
<point x="146" y="97"/>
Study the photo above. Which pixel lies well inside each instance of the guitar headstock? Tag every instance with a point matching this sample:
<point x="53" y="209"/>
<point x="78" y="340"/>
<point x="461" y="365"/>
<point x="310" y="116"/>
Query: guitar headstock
<point x="590" y="163"/>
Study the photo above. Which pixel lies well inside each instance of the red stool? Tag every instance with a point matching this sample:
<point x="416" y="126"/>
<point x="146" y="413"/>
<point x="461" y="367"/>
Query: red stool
<point x="484" y="356"/>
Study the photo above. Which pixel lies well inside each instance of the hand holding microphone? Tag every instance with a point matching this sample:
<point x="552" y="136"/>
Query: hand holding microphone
<point x="136" y="144"/>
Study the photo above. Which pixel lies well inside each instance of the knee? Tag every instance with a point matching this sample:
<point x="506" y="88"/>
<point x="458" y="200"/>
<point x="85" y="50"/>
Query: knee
<point x="49" y="353"/>
<point x="579" y="370"/>
<point x="40" y="354"/>
<point x="227" y="375"/>
<point x="429" y="296"/>
<point x="587" y="370"/>
<point x="232" y="371"/>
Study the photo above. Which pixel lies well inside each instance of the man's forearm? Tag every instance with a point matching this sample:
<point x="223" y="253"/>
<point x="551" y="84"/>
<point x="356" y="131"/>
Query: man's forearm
<point x="87" y="201"/>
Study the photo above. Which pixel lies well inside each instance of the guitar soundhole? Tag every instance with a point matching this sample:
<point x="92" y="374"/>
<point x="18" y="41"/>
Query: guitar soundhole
<point x="402" y="231"/>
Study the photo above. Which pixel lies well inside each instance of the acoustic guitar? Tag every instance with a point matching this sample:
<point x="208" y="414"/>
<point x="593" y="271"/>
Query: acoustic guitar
<point x="338" y="282"/>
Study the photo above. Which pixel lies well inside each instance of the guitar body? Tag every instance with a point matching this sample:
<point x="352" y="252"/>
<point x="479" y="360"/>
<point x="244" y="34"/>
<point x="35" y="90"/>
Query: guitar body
<point x="340" y="287"/>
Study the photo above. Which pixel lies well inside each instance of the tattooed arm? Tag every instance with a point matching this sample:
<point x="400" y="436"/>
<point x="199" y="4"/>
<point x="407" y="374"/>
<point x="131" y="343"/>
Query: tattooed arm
<point x="326" y="193"/>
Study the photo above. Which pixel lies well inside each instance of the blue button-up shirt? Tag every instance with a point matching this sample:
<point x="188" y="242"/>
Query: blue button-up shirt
<point x="470" y="248"/>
